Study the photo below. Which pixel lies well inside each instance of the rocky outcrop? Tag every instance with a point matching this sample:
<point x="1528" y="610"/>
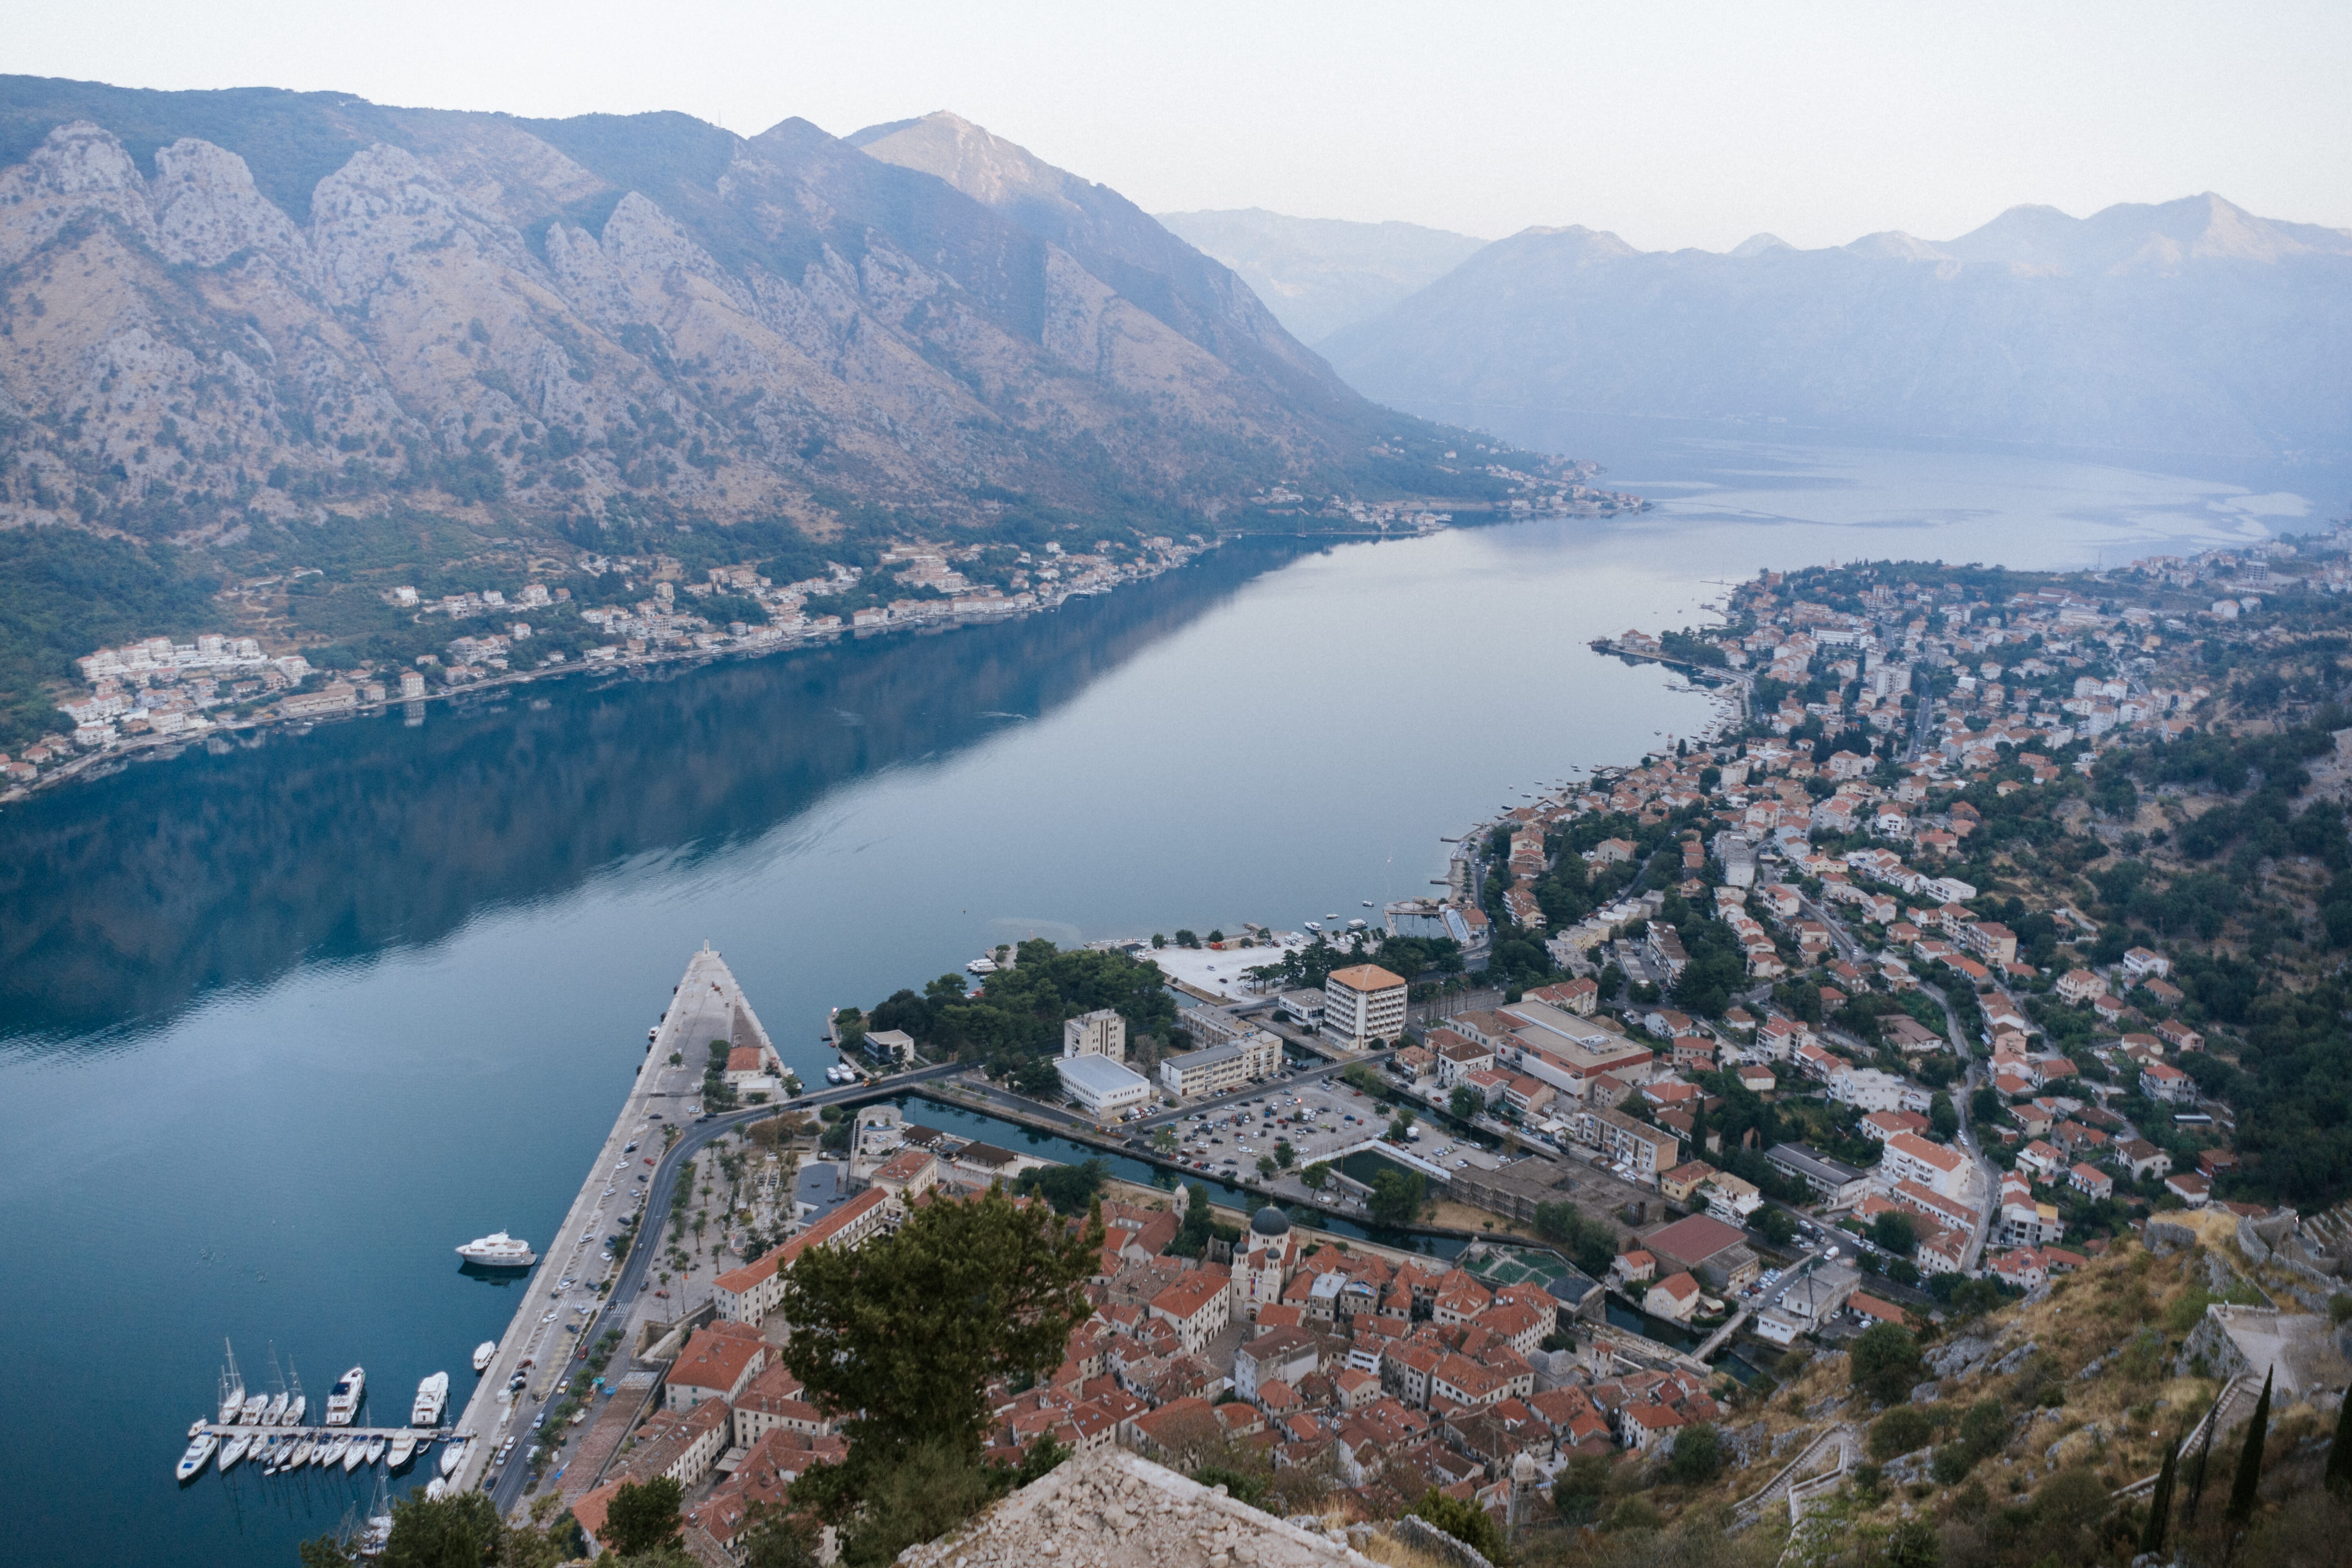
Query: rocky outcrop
<point x="1112" y="1509"/>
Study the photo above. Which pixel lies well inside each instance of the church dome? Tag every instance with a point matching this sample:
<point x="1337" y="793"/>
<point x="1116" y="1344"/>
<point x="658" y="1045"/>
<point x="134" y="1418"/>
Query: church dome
<point x="1270" y="1221"/>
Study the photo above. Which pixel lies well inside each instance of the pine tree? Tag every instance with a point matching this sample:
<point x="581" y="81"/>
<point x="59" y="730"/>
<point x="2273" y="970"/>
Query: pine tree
<point x="2244" y="1493"/>
<point x="2159" y="1503"/>
<point x="2339" y="1453"/>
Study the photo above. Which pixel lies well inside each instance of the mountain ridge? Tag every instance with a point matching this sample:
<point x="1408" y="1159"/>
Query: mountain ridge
<point x="2189" y="325"/>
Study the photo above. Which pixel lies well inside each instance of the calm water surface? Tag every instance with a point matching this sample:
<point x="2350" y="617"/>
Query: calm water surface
<point x="280" y="1027"/>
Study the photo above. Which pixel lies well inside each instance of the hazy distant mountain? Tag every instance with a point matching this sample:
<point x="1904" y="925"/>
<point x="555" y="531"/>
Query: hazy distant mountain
<point x="2190" y="326"/>
<point x="256" y="305"/>
<point x="1318" y="275"/>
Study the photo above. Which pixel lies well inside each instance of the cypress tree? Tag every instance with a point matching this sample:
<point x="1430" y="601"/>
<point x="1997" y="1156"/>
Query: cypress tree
<point x="2242" y="1494"/>
<point x="2204" y="1454"/>
<point x="2159" y="1503"/>
<point x="2339" y="1453"/>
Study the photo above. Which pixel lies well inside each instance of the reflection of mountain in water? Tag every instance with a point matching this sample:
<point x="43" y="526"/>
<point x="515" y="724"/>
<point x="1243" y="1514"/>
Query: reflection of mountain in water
<point x="129" y="897"/>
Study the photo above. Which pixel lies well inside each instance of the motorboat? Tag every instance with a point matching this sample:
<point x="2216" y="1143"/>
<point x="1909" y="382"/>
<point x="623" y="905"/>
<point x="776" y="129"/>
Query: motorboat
<point x="483" y="1354"/>
<point x="355" y="1455"/>
<point x="376" y="1445"/>
<point x="403" y="1448"/>
<point x="200" y="1454"/>
<point x="432" y="1398"/>
<point x="452" y="1456"/>
<point x="436" y="1489"/>
<point x="981" y="966"/>
<point x="343" y="1400"/>
<point x="304" y="1452"/>
<point x="256" y="1406"/>
<point x="499" y="1250"/>
<point x="233" y="1451"/>
<point x="332" y="1454"/>
<point x="1313" y="925"/>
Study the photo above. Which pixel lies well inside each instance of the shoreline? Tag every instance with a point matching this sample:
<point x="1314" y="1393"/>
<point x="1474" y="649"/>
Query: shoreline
<point x="103" y="762"/>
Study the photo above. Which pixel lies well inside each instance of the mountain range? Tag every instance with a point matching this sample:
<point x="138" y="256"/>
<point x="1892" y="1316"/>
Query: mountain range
<point x="224" y="309"/>
<point x="2192" y="326"/>
<point x="1318" y="275"/>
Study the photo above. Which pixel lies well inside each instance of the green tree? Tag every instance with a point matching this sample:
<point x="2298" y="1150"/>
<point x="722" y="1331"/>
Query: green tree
<point x="903" y="1334"/>
<point x="1466" y="1522"/>
<point x="1579" y="1488"/>
<point x="1698" y="1454"/>
<point x="1884" y="1363"/>
<point x="459" y="1531"/>
<point x="1317" y="1175"/>
<point x="1904" y="1429"/>
<point x="2159" y="1503"/>
<point x="641" y="1517"/>
<point x="1464" y="1102"/>
<point x="1396" y="1197"/>
<point x="1913" y="1543"/>
<point x="1283" y="1154"/>
<point x="1894" y="1231"/>
<point x="2338" y="1476"/>
<point x="1266" y="1167"/>
<point x="1775" y="1226"/>
<point x="1943" y="1118"/>
<point x="2245" y="1492"/>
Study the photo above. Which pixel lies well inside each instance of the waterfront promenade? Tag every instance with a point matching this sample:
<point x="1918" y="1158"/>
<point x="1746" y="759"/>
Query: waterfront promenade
<point x="550" y="1325"/>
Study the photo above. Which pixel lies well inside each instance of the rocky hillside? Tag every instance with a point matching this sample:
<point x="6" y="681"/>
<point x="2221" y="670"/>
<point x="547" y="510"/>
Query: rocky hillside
<point x="224" y="309"/>
<point x="1318" y="275"/>
<point x="2191" y="326"/>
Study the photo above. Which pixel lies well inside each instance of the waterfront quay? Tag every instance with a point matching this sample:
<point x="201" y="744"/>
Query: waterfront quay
<point x="555" y="1321"/>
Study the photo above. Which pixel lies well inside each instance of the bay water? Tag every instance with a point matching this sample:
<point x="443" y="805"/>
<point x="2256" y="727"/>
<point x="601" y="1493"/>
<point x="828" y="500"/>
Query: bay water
<point x="280" y="1027"/>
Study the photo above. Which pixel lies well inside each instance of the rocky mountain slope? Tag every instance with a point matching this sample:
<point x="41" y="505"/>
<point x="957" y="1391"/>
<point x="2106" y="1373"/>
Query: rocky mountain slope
<point x="1318" y="275"/>
<point x="225" y="309"/>
<point x="2190" y="326"/>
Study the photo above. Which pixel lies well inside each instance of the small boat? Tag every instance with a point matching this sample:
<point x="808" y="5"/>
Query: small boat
<point x="483" y="1354"/>
<point x="436" y="1489"/>
<point x="233" y="1452"/>
<point x="257" y="1406"/>
<point x="376" y="1445"/>
<point x="275" y="1415"/>
<point x="344" y="1399"/>
<point x="1367" y="903"/>
<point x="296" y="1406"/>
<point x="452" y="1456"/>
<point x="1332" y="916"/>
<point x="304" y="1452"/>
<point x="403" y="1448"/>
<point x="981" y="966"/>
<point x="196" y="1427"/>
<point x="332" y="1454"/>
<point x="355" y="1455"/>
<point x="200" y="1454"/>
<point x="432" y="1398"/>
<point x="499" y="1250"/>
<point x="1314" y="925"/>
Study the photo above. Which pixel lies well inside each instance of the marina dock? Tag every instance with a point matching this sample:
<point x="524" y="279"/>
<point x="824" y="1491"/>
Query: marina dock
<point x="553" y="1326"/>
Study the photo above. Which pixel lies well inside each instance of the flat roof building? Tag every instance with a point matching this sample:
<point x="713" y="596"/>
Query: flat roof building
<point x="1101" y="1084"/>
<point x="1214" y="1070"/>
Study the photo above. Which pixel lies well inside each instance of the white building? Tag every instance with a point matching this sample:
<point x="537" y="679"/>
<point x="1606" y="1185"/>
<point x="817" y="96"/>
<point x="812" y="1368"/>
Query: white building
<point x="1868" y="1089"/>
<point x="1216" y="1068"/>
<point x="1911" y="1158"/>
<point x="1103" y="1087"/>
<point x="1362" y="1004"/>
<point x="1102" y="1033"/>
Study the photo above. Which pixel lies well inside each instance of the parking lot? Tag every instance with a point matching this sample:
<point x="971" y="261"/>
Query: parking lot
<point x="1317" y="1118"/>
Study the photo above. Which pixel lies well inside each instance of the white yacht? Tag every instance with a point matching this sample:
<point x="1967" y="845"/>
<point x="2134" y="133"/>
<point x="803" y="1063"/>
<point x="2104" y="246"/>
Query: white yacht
<point x="257" y="1406"/>
<point x="200" y="1454"/>
<point x="499" y="1250"/>
<point x="233" y="1451"/>
<point x="376" y="1445"/>
<point x="452" y="1456"/>
<point x="403" y="1448"/>
<point x="483" y="1354"/>
<point x="275" y="1416"/>
<point x="343" y="1401"/>
<point x="981" y="966"/>
<point x="436" y="1489"/>
<point x="296" y="1406"/>
<point x="332" y="1454"/>
<point x="232" y="1388"/>
<point x="355" y="1455"/>
<point x="305" y="1451"/>
<point x="432" y="1398"/>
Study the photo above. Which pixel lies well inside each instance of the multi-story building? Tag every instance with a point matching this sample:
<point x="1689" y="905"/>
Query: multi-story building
<point x="1362" y="1004"/>
<point x="1214" y="1070"/>
<point x="1911" y="1158"/>
<point x="1102" y="1033"/>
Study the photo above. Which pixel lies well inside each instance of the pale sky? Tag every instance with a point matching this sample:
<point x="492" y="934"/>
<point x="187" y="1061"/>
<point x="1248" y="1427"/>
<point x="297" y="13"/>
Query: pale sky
<point x="1692" y="124"/>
